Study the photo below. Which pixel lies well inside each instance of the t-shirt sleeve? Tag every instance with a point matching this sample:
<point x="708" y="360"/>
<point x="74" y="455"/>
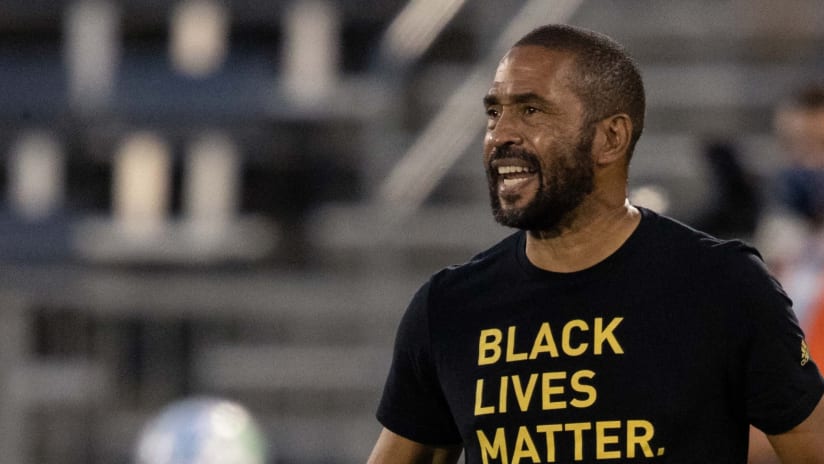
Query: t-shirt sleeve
<point x="783" y="385"/>
<point x="413" y="404"/>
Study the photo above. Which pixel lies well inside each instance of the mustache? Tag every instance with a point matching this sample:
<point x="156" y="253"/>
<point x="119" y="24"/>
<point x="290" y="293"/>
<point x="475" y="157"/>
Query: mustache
<point x="512" y="152"/>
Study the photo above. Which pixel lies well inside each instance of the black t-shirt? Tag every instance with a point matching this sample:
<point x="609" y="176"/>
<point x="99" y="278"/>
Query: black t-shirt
<point x="663" y="352"/>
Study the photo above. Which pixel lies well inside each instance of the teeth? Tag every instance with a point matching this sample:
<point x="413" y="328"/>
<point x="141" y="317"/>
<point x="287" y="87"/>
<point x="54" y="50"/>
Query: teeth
<point x="512" y="169"/>
<point x="511" y="182"/>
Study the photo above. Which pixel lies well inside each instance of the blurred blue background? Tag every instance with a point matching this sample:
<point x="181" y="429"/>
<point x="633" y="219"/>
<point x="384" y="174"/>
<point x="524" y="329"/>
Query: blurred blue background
<point x="239" y="198"/>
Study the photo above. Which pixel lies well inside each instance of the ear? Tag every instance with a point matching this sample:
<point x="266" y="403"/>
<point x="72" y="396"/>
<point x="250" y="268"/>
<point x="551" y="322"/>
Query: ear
<point x="612" y="136"/>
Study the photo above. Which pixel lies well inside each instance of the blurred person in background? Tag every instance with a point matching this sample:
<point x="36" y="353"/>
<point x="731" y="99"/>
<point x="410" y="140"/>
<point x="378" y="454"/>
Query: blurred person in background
<point x="735" y="205"/>
<point x="599" y="330"/>
<point x="793" y="237"/>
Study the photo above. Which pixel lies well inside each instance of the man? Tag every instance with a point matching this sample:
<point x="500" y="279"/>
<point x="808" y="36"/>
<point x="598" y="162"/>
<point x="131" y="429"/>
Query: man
<point x="600" y="331"/>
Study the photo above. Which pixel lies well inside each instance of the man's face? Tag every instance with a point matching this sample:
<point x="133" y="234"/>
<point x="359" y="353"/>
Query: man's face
<point x="801" y="132"/>
<point x="802" y="135"/>
<point x="536" y="153"/>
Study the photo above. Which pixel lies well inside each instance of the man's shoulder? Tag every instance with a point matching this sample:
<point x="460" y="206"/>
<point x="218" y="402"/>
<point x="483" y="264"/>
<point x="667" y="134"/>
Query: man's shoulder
<point x="670" y="236"/>
<point x="487" y="263"/>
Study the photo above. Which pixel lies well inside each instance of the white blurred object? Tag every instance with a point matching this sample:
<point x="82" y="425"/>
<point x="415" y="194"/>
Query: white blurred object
<point x="211" y="180"/>
<point x="311" y="51"/>
<point x="142" y="184"/>
<point x="36" y="175"/>
<point x="199" y="36"/>
<point x="782" y="237"/>
<point x="202" y="430"/>
<point x="92" y="50"/>
<point x="652" y="197"/>
<point x="416" y="27"/>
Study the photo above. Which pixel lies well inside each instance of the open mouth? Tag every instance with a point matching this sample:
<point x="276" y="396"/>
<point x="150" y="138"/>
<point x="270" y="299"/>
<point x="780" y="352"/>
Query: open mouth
<point x="511" y="176"/>
<point x="513" y="173"/>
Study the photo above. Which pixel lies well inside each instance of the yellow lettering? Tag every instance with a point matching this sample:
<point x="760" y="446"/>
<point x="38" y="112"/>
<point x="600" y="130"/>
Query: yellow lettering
<point x="524" y="397"/>
<point x="489" y="346"/>
<point x="511" y="355"/>
<point x="495" y="449"/>
<point x="602" y="439"/>
<point x="605" y="334"/>
<point x="502" y="395"/>
<point x="479" y="398"/>
<point x="549" y="431"/>
<point x="608" y="442"/>
<point x="578" y="432"/>
<point x="524" y="447"/>
<point x="566" y="342"/>
<point x="639" y="433"/>
<point x="548" y="390"/>
<point x="544" y="343"/>
<point x="588" y="390"/>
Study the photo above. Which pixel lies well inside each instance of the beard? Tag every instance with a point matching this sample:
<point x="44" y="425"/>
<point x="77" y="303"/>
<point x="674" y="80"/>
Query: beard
<point x="568" y="180"/>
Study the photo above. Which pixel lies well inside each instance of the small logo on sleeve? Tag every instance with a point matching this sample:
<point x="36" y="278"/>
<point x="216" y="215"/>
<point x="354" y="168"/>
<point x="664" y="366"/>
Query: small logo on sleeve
<point x="805" y="352"/>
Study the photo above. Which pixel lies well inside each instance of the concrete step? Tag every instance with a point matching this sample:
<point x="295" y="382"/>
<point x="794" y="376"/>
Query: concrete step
<point x="456" y="229"/>
<point x="52" y="382"/>
<point x="274" y="368"/>
<point x="320" y="297"/>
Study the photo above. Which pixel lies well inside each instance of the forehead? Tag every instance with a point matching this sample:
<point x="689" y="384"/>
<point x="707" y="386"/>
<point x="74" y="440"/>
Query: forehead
<point x="533" y="69"/>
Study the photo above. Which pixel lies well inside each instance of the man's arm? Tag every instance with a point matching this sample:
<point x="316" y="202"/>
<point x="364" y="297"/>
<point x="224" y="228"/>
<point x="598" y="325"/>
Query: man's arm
<point x="761" y="450"/>
<point x="392" y="448"/>
<point x="803" y="444"/>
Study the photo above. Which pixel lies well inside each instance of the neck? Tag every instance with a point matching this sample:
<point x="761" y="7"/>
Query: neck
<point x="589" y="239"/>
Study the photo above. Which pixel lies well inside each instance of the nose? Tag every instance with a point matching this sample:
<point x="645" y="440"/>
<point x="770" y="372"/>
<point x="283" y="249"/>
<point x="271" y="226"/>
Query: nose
<point x="505" y="130"/>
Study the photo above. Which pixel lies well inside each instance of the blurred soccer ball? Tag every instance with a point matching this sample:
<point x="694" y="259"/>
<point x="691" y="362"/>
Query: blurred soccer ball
<point x="202" y="431"/>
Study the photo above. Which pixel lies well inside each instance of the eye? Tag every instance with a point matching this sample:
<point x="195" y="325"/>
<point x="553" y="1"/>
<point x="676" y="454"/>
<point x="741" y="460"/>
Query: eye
<point x="491" y="112"/>
<point x="531" y="110"/>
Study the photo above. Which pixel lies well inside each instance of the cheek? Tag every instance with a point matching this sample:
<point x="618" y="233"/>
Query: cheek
<point x="553" y="153"/>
